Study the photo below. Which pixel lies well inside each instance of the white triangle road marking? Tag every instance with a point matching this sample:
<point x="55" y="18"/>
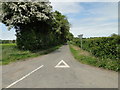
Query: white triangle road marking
<point x="62" y="66"/>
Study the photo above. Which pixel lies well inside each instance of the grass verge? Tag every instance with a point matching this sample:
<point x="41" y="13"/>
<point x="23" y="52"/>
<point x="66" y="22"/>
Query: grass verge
<point x="10" y="53"/>
<point x="87" y="58"/>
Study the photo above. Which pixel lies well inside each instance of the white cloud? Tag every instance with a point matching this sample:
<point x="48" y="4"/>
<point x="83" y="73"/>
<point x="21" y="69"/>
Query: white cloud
<point x="107" y="10"/>
<point x="67" y="8"/>
<point x="84" y="0"/>
<point x="95" y="30"/>
<point x="5" y="34"/>
<point x="8" y="35"/>
<point x="99" y="21"/>
<point x="94" y="27"/>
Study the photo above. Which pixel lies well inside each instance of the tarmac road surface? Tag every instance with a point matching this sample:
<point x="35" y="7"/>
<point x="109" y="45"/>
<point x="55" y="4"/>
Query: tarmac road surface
<point x="40" y="72"/>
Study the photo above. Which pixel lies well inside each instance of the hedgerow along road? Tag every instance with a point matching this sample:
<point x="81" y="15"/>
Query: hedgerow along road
<point x="58" y="69"/>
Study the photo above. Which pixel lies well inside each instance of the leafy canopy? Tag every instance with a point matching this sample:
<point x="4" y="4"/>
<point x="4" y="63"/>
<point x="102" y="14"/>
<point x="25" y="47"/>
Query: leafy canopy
<point x="16" y="14"/>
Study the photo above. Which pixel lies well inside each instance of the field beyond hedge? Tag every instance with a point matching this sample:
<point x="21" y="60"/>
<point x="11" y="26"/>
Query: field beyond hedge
<point x="10" y="53"/>
<point x="107" y="49"/>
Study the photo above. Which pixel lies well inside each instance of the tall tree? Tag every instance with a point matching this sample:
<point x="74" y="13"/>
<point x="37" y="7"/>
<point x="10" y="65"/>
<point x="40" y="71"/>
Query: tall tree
<point x="62" y="26"/>
<point x="31" y="20"/>
<point x="37" y="27"/>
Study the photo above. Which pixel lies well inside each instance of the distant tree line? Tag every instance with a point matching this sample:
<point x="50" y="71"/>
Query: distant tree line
<point x="37" y="26"/>
<point x="7" y="41"/>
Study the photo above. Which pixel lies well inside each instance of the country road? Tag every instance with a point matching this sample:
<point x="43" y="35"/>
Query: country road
<point x="40" y="72"/>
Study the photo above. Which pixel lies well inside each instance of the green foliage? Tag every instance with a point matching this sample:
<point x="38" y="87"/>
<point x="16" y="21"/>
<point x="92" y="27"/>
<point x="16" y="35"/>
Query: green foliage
<point x="61" y="27"/>
<point x="70" y="37"/>
<point x="91" y="60"/>
<point x="17" y="14"/>
<point x="105" y="48"/>
<point x="37" y="27"/>
<point x="12" y="54"/>
<point x="7" y="41"/>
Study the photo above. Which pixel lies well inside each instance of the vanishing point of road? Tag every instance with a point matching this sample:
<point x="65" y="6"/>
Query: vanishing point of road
<point x="40" y="72"/>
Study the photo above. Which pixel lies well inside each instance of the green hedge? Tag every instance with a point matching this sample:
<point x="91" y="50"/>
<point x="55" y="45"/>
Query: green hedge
<point x="102" y="47"/>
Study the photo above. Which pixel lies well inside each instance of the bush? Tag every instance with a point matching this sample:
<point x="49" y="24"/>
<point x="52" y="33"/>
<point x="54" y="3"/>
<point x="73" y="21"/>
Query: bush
<point x="105" y="48"/>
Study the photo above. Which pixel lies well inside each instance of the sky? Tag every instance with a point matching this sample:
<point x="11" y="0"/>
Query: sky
<point x="92" y="19"/>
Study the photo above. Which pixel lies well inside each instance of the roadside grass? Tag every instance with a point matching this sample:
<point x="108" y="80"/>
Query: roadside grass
<point x="87" y="58"/>
<point x="10" y="53"/>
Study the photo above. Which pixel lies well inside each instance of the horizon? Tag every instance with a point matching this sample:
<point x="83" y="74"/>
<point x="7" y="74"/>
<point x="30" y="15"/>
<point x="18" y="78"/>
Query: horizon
<point x="92" y="19"/>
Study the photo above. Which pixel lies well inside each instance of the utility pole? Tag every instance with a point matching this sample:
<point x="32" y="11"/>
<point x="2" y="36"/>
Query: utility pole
<point x="80" y="37"/>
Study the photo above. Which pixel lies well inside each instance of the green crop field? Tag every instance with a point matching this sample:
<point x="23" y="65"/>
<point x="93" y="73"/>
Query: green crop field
<point x="10" y="53"/>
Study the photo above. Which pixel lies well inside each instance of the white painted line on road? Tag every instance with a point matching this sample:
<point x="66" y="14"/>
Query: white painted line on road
<point x="24" y="76"/>
<point x="65" y="65"/>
